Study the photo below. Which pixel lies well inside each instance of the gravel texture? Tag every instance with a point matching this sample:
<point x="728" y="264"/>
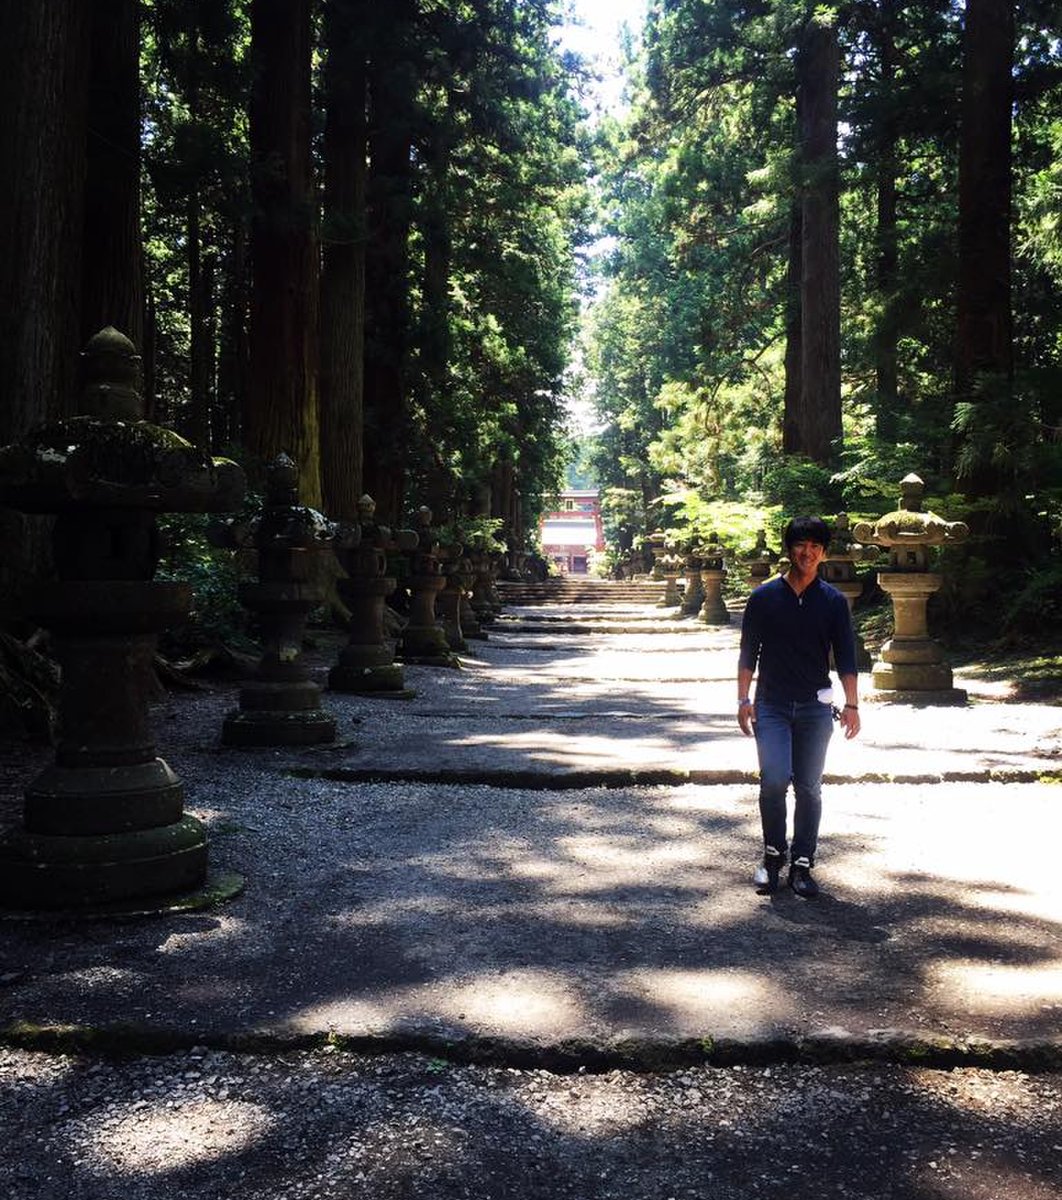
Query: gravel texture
<point x="578" y="897"/>
<point x="203" y="1125"/>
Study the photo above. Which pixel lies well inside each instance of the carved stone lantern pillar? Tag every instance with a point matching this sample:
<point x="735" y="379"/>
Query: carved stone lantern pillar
<point x="105" y="823"/>
<point x="671" y="565"/>
<point x="366" y="664"/>
<point x="281" y="705"/>
<point x="450" y="599"/>
<point x="480" y="600"/>
<point x="912" y="661"/>
<point x="693" y="596"/>
<point x="838" y="568"/>
<point x="423" y="640"/>
<point x="762" y="562"/>
<point x="469" y="617"/>
<point x="656" y="545"/>
<point x="713" y="573"/>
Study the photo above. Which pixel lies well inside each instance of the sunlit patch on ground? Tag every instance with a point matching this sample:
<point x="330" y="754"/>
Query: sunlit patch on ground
<point x="518" y="1003"/>
<point x="993" y="987"/>
<point x="146" y="1137"/>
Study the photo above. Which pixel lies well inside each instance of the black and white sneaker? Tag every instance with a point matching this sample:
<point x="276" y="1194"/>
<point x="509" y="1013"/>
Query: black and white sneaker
<point x="800" y="879"/>
<point x="765" y="877"/>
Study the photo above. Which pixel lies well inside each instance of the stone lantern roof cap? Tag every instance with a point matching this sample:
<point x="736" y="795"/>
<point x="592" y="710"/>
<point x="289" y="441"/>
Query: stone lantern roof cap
<point x="108" y="456"/>
<point x="909" y="524"/>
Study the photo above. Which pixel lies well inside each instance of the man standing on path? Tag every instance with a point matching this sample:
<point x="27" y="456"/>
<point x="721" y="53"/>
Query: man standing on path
<point x="791" y="624"/>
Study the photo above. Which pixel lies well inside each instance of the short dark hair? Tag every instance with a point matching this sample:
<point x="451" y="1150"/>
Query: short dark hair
<point x="806" y="529"/>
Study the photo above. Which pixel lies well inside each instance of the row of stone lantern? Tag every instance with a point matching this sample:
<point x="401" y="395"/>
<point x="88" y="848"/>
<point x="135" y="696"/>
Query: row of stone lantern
<point x="911" y="662"/>
<point x="104" y="826"/>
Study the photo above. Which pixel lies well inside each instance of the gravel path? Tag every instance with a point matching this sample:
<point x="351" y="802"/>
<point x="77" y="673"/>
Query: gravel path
<point x="552" y="870"/>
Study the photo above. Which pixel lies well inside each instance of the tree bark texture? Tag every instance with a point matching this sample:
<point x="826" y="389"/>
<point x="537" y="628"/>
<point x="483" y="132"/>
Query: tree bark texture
<point x="343" y="277"/>
<point x="234" y="356"/>
<point x="887" y="334"/>
<point x="818" y="68"/>
<point x="43" y="80"/>
<point x="44" y="57"/>
<point x="392" y="92"/>
<point x="984" y="328"/>
<point x="283" y="409"/>
<point x="792" y="441"/>
<point x="112" y="279"/>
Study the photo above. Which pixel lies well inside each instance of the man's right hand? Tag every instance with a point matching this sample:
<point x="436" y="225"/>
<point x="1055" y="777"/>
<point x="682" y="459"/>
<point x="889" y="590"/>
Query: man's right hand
<point x="746" y="718"/>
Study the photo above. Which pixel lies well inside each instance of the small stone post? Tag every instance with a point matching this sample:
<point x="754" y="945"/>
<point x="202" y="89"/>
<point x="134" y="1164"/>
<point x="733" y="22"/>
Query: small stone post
<point x="281" y="705"/>
<point x="911" y="661"/>
<point x="366" y="664"/>
<point x="105" y="825"/>
<point x="713" y="572"/>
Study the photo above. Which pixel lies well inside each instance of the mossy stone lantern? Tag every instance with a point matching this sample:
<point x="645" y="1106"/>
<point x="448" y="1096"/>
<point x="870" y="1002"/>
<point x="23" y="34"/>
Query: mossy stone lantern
<point x="281" y="704"/>
<point x="713" y="573"/>
<point x="105" y="823"/>
<point x="911" y="661"/>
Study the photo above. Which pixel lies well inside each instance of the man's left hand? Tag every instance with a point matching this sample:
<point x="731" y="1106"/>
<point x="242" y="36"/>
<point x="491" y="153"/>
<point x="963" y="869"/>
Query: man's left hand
<point x="850" y="722"/>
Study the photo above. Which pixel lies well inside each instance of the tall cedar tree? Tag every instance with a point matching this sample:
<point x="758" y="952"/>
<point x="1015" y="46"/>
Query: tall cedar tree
<point x="112" y="288"/>
<point x="392" y="114"/>
<point x="44" y="57"/>
<point x="343" y="274"/>
<point x="813" y="428"/>
<point x="984" y="333"/>
<point x="282" y="414"/>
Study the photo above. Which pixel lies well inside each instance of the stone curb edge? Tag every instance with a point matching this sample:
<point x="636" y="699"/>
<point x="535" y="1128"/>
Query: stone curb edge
<point x="574" y="1056"/>
<point x="649" y="777"/>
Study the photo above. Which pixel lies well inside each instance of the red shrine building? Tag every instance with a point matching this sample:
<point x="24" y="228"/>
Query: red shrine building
<point x="573" y="531"/>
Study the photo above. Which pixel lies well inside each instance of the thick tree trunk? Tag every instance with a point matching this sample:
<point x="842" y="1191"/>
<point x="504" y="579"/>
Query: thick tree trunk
<point x="112" y="279"/>
<point x="984" y="334"/>
<point x="392" y="90"/>
<point x="44" y="56"/>
<point x="887" y="334"/>
<point x="283" y="412"/>
<point x="819" y="418"/>
<point x="201" y="347"/>
<point x="234" y="358"/>
<point x="792" y="438"/>
<point x="343" y="278"/>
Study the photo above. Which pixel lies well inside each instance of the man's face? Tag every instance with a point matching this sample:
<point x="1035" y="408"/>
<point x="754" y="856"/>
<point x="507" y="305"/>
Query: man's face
<point x="806" y="556"/>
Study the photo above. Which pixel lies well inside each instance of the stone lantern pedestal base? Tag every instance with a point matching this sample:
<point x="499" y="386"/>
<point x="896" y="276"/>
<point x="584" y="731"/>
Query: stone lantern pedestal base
<point x="276" y="713"/>
<point x="59" y="871"/>
<point x="426" y="646"/>
<point x="713" y="610"/>
<point x="368" y="669"/>
<point x="912" y="665"/>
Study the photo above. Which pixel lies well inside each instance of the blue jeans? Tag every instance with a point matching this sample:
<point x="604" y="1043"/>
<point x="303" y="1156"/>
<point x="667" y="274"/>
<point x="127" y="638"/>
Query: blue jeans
<point x="791" y="741"/>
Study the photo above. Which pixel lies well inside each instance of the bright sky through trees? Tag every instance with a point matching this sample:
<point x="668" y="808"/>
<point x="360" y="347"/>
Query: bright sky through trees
<point x="594" y="32"/>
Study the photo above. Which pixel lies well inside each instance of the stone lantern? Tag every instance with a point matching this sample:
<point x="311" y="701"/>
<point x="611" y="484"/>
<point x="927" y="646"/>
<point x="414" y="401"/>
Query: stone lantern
<point x="838" y="568"/>
<point x="671" y="566"/>
<point x="912" y="661"/>
<point x="451" y="596"/>
<point x="366" y="664"/>
<point x="656" y="545"/>
<point x="762" y="561"/>
<point x="693" y="596"/>
<point x="713" y="572"/>
<point x="281" y="705"/>
<point x="423" y="640"/>
<point x="104" y="825"/>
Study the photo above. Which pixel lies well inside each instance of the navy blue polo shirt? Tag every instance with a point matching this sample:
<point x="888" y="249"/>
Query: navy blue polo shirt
<point x="791" y="636"/>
